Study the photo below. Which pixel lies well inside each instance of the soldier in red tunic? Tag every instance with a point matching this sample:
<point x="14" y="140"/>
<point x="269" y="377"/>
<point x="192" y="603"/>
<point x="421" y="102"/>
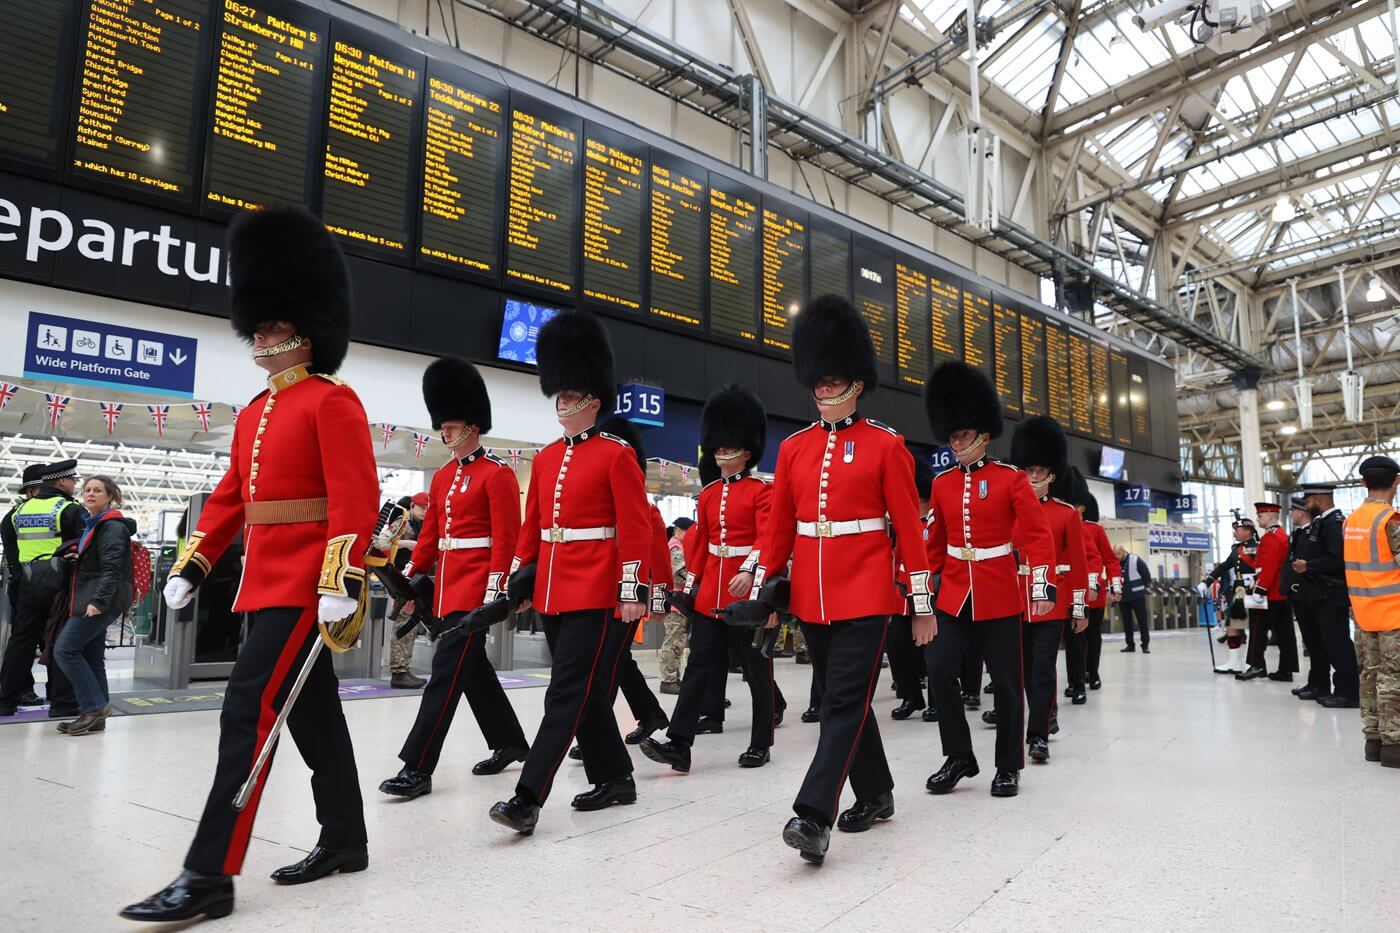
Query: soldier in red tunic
<point x="975" y="507"/>
<point x="841" y="484"/>
<point x="302" y="488"/>
<point x="1082" y="652"/>
<point x="1275" y="619"/>
<point x="588" y="532"/>
<point x="906" y="658"/>
<point x="469" y="538"/>
<point x="721" y="550"/>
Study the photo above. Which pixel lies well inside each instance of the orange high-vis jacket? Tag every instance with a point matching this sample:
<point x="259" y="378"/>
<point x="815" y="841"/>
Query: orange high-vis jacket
<point x="1373" y="576"/>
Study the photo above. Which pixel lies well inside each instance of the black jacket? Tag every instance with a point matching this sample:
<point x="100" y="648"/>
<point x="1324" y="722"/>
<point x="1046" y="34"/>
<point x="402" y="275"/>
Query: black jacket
<point x="1135" y="590"/>
<point x="70" y="526"/>
<point x="102" y="572"/>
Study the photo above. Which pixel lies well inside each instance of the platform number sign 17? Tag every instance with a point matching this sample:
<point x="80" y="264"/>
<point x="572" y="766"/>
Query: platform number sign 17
<point x="1134" y="497"/>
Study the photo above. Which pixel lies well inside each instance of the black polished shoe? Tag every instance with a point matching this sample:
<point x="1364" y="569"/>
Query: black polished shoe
<point x="1282" y="676"/>
<point x="989" y="716"/>
<point x="517" y="813"/>
<point x="606" y="794"/>
<point x="673" y="753"/>
<point x="8" y="709"/>
<point x="811" y="714"/>
<point x="189" y="896"/>
<point x="499" y="759"/>
<point x="954" y="770"/>
<point x="1126" y="649"/>
<point x="971" y="701"/>
<point x="778" y="716"/>
<point x="1297" y="690"/>
<point x="808" y="837"/>
<point x="1252" y="673"/>
<point x="905" y="710"/>
<point x="989" y="689"/>
<point x="1080" y="697"/>
<point x="1054" y="722"/>
<point x="708" y="726"/>
<point x="1337" y="701"/>
<point x="1040" y="749"/>
<point x="1146" y="650"/>
<point x="863" y="815"/>
<point x="1095" y="683"/>
<point x="1006" y="783"/>
<point x="755" y="756"/>
<point x="576" y="754"/>
<point x="409" y="784"/>
<point x="930" y="714"/>
<point x="1308" y="693"/>
<point x="645" y="729"/>
<point x="322" y="862"/>
<point x="29" y="699"/>
<point x="1069" y="690"/>
<point x="728" y="703"/>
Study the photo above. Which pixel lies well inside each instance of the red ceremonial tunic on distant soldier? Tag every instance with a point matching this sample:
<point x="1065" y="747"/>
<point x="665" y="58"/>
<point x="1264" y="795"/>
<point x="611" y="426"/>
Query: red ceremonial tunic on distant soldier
<point x="1071" y="567"/>
<point x="834" y="487"/>
<point x="302" y="478"/>
<point x="470" y="531"/>
<point x="975" y="510"/>
<point x="586" y="525"/>
<point x="730" y="515"/>
<point x="1104" y="570"/>
<point x="1270" y="557"/>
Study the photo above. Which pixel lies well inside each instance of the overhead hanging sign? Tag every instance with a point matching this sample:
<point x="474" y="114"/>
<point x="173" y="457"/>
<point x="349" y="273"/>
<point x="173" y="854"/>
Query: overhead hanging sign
<point x="1170" y="539"/>
<point x="95" y="353"/>
<point x="642" y="404"/>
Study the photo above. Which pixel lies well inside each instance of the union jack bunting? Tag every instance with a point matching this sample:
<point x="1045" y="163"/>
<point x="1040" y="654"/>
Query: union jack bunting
<point x="158" y="415"/>
<point x="203" y="410"/>
<point x="420" y="443"/>
<point x="685" y="471"/>
<point x="514" y="454"/>
<point x="111" y="411"/>
<point x="57" y="405"/>
<point x="661" y="465"/>
<point x="387" y="429"/>
<point x="7" y="392"/>
<point x="236" y="410"/>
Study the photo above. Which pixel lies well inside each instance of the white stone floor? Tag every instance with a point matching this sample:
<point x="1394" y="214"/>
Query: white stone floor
<point x="1175" y="800"/>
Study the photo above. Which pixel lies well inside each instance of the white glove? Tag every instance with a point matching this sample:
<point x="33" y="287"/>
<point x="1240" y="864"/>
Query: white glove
<point x="335" y="608"/>
<point x="1201" y="590"/>
<point x="178" y="592"/>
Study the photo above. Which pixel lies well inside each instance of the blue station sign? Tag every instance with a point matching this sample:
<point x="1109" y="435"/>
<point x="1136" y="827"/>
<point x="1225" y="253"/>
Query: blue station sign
<point x="642" y="404"/>
<point x="99" y="354"/>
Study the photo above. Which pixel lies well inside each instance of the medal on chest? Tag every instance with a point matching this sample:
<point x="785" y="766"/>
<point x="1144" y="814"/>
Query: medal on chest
<point x="466" y="481"/>
<point x="981" y="489"/>
<point x="848" y="454"/>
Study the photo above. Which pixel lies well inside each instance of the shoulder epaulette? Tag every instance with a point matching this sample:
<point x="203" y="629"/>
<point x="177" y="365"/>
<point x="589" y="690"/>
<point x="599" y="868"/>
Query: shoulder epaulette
<point x="333" y="380"/>
<point x="1000" y="463"/>
<point x="256" y="397"/>
<point x="1061" y="501"/>
<point x="613" y="437"/>
<point x="882" y="426"/>
<point x="944" y="470"/>
<point x="497" y="460"/>
<point x="710" y="483"/>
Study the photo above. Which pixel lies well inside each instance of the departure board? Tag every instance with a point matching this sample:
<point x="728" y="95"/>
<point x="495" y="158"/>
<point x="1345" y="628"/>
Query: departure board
<point x="873" y="285"/>
<point x="945" y="317"/>
<point x="977" y="328"/>
<point x="1101" y="389"/>
<point x="911" y="313"/>
<point x="1137" y="402"/>
<point x="831" y="261"/>
<point x="614" y="196"/>
<point x="1081" y="395"/>
<point x="34" y="76"/>
<point x="267" y="93"/>
<point x="678" y="238"/>
<point x="784" y="271"/>
<point x="540" y="228"/>
<point x="1059" y="390"/>
<point x="1119" y="392"/>
<point x="464" y="149"/>
<point x="137" y="113"/>
<point x="1033" y="390"/>
<point x="734" y="224"/>
<point x="368" y="169"/>
<point x="1006" y="332"/>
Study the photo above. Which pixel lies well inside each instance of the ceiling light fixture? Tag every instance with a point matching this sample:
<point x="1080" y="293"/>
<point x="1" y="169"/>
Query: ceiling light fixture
<point x="1283" y="210"/>
<point x="1274" y="404"/>
<point x="1375" y="291"/>
<point x="1288" y="429"/>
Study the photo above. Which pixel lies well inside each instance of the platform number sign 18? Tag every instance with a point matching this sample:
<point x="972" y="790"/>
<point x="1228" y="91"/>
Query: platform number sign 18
<point x="642" y="404"/>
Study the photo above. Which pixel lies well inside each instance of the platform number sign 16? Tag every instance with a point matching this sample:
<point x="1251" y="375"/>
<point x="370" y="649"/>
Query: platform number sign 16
<point x="642" y="404"/>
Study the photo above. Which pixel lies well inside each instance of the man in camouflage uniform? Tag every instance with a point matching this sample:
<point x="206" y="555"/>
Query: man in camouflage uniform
<point x="1371" y="548"/>
<point x="673" y="644"/>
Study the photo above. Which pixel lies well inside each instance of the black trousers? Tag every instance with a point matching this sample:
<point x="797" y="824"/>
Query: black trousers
<point x="849" y="743"/>
<point x="460" y="669"/>
<point x="1076" y="653"/>
<point x="640" y="698"/>
<point x="22" y="650"/>
<point x="1041" y="649"/>
<point x="818" y="684"/>
<point x="1319" y="661"/>
<point x="1278" y="618"/>
<point x="716" y="685"/>
<point x="999" y="643"/>
<point x="971" y="677"/>
<point x="1335" y="627"/>
<point x="710" y="644"/>
<point x="906" y="660"/>
<point x="587" y="646"/>
<point x="1127" y="611"/>
<point x="1093" y="640"/>
<point x="272" y="656"/>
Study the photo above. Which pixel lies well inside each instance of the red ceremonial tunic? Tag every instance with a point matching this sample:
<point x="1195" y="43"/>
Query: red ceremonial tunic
<point x="586" y="482"/>
<point x="979" y="507"/>
<point x="729" y="516"/>
<point x="855" y="470"/>
<point x="470" y="531"/>
<point x="1270" y="558"/>
<point x="1105" y="574"/>
<point x="305" y="437"/>
<point x="658" y="572"/>
<point x="1071" y="568"/>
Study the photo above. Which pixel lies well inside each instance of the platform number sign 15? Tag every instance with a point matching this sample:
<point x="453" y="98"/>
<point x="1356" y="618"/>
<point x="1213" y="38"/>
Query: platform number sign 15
<point x="642" y="404"/>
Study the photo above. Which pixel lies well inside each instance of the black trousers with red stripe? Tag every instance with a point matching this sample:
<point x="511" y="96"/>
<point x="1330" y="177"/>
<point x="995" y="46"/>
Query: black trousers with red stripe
<point x="849" y="743"/>
<point x="1076" y="653"/>
<point x="633" y="684"/>
<point x="460" y="669"/>
<point x="1093" y="639"/>
<point x="587" y="647"/>
<point x="268" y="662"/>
<point x="999" y="642"/>
<point x="1041" y="651"/>
<point x="906" y="661"/>
<point x="710" y="642"/>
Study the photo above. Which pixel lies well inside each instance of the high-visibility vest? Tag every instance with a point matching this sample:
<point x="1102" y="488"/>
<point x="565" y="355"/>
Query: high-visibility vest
<point x="36" y="524"/>
<point x="1373" y="577"/>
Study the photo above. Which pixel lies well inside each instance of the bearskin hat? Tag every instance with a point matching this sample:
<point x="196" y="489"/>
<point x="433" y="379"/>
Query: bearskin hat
<point x="958" y="397"/>
<point x="1040" y="441"/>
<point x="284" y="265"/>
<point x="734" y="418"/>
<point x="708" y="468"/>
<point x="923" y="477"/>
<point x="830" y="339"/>
<point x="629" y="432"/>
<point x="453" y="390"/>
<point x="574" y="353"/>
<point x="1082" y="496"/>
<point x="1065" y="487"/>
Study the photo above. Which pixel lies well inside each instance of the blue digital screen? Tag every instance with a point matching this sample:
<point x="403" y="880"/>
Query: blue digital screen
<point x="1111" y="463"/>
<point x="520" y="327"/>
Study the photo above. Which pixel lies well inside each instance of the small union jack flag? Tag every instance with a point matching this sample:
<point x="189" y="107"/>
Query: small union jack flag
<point x="387" y="429"/>
<point x="514" y="454"/>
<point x="158" y="415"/>
<point x="420" y="443"/>
<point x="111" y="411"/>
<point x="203" y="410"/>
<point x="685" y="471"/>
<point x="236" y="410"/>
<point x="7" y="392"/>
<point x="57" y="405"/>
<point x="663" y="464"/>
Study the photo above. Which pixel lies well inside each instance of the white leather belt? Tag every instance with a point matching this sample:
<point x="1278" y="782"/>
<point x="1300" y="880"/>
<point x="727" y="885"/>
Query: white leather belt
<point x="731" y="550"/>
<point x="855" y="526"/>
<point x="462" y="544"/>
<point x="556" y="534"/>
<point x="979" y="553"/>
<point x="1063" y="568"/>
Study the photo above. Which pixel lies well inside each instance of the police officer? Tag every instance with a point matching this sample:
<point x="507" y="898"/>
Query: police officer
<point x="1372" y="550"/>
<point x="1303" y="593"/>
<point x="33" y="532"/>
<point x="30" y="482"/>
<point x="1324" y="571"/>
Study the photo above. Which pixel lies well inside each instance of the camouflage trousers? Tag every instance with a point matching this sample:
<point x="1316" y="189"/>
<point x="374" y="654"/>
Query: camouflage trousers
<point x="1378" y="656"/>
<point x="672" y="651"/>
<point x="400" y="651"/>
